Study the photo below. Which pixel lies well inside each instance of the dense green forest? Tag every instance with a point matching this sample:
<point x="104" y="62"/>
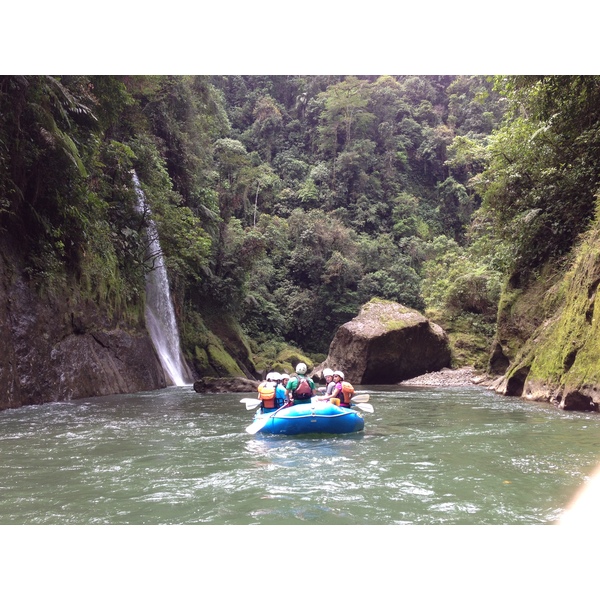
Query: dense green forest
<point x="284" y="203"/>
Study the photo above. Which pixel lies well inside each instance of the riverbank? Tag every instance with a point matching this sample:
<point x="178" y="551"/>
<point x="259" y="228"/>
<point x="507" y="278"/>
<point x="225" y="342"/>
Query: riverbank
<point x="465" y="376"/>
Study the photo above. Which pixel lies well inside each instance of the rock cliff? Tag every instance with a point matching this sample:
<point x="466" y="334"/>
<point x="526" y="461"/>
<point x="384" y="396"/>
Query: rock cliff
<point x="549" y="333"/>
<point x="58" y="347"/>
<point x="387" y="343"/>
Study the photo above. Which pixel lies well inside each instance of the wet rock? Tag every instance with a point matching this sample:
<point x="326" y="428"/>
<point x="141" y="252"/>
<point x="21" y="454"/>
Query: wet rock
<point x="56" y="347"/>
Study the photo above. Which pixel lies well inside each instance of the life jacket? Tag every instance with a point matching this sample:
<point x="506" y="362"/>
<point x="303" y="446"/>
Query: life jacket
<point x="266" y="392"/>
<point x="303" y="391"/>
<point x="347" y="393"/>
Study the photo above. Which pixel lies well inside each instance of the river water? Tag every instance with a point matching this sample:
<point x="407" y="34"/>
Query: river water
<point x="427" y="456"/>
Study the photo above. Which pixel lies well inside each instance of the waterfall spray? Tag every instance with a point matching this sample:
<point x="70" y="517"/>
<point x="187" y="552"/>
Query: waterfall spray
<point x="160" y="315"/>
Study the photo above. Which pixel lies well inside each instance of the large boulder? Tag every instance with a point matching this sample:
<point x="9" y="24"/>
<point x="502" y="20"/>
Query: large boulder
<point x="387" y="343"/>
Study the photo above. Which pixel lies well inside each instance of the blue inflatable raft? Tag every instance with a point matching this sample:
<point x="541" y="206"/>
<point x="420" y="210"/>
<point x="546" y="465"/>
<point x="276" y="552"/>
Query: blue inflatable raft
<point x="317" y="417"/>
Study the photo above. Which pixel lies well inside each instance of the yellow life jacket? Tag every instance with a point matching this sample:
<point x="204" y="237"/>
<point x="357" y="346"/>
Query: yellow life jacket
<point x="266" y="392"/>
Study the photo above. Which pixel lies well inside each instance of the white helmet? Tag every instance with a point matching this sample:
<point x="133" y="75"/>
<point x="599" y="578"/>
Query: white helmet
<point x="339" y="373"/>
<point x="301" y="368"/>
<point x="284" y="376"/>
<point x="327" y="372"/>
<point x="274" y="376"/>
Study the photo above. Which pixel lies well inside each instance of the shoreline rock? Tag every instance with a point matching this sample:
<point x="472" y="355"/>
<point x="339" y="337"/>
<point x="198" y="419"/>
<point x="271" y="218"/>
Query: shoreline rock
<point x="224" y="385"/>
<point x="447" y="377"/>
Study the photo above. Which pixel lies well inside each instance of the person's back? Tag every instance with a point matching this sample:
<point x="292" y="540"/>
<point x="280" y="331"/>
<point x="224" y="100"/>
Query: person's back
<point x="302" y="388"/>
<point x="267" y="392"/>
<point x="347" y="393"/>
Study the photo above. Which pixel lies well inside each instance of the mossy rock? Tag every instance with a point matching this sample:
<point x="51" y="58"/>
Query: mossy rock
<point x="560" y="360"/>
<point x="262" y="365"/>
<point x="470" y="337"/>
<point x="222" y="362"/>
<point x="290" y="357"/>
<point x="201" y="360"/>
<point x="568" y="347"/>
<point x="219" y="346"/>
<point x="283" y="367"/>
<point x="281" y="358"/>
<point x="318" y="358"/>
<point x="522" y="311"/>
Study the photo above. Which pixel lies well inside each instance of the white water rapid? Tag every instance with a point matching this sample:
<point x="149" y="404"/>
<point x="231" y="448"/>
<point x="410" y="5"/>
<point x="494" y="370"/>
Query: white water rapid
<point x="160" y="316"/>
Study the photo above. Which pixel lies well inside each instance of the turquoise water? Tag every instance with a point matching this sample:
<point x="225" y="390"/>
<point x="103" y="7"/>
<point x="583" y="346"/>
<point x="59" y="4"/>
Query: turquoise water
<point x="445" y="456"/>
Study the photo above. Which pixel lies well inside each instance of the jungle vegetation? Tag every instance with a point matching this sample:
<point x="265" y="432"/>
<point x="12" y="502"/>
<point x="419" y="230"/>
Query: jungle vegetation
<point x="287" y="202"/>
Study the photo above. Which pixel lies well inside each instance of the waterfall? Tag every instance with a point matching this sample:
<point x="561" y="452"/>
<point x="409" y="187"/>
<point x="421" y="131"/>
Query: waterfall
<point x="160" y="315"/>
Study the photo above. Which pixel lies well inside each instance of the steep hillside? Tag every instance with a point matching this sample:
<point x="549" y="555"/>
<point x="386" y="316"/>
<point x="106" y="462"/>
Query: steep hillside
<point x="558" y="319"/>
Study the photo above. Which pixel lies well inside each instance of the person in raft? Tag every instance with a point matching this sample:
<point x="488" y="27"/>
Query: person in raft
<point x="301" y="388"/>
<point x="281" y="394"/>
<point x="327" y="390"/>
<point x="343" y="392"/>
<point x="267" y="391"/>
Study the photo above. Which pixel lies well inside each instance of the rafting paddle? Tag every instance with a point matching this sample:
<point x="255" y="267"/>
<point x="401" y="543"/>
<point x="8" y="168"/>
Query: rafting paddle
<point x="364" y="406"/>
<point x="257" y="424"/>
<point x="360" y="398"/>
<point x="262" y="420"/>
<point x="251" y="403"/>
<point x="357" y="399"/>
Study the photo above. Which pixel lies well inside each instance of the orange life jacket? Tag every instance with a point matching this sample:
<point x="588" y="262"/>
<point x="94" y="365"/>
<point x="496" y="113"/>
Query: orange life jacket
<point x="347" y="393"/>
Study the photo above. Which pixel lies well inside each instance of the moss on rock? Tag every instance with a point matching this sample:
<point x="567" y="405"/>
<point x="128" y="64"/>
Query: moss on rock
<point x="221" y="361"/>
<point x="568" y="350"/>
<point x="220" y="349"/>
<point x="560" y="360"/>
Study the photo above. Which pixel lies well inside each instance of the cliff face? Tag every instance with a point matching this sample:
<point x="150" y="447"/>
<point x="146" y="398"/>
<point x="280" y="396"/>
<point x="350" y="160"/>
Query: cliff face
<point x="55" y="347"/>
<point x="559" y="361"/>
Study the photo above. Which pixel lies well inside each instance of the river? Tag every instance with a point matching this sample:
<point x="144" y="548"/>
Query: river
<point x="435" y="458"/>
<point x="427" y="456"/>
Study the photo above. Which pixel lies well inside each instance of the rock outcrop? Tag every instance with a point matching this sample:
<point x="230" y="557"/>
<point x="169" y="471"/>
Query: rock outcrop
<point x="559" y="359"/>
<point x="57" y="347"/>
<point x="386" y="344"/>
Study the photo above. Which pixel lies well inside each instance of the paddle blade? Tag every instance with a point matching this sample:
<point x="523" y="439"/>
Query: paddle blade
<point x="366" y="407"/>
<point x="257" y="425"/>
<point x="361" y="398"/>
<point x="251" y="403"/>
